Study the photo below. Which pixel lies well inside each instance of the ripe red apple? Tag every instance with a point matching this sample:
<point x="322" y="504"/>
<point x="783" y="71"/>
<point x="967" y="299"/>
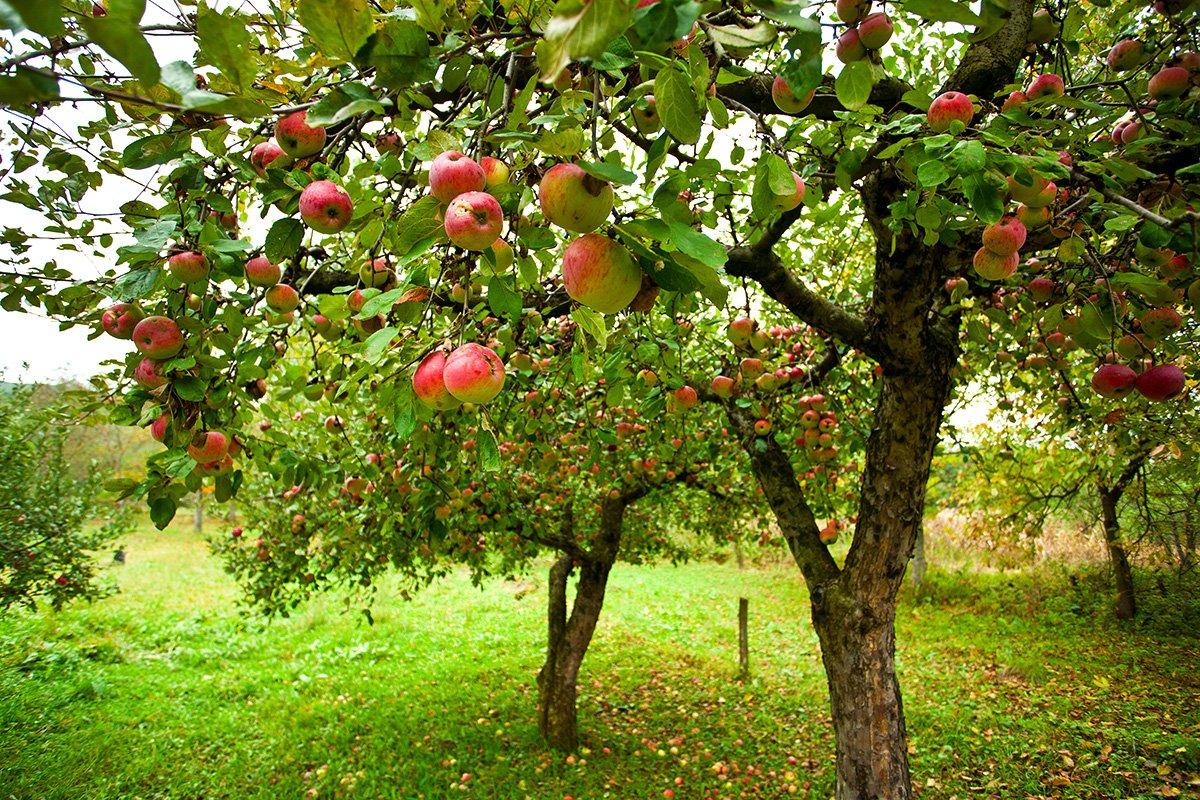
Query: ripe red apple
<point x="473" y="220"/>
<point x="376" y="273"/>
<point x="1004" y="237"/>
<point x="994" y="267"/>
<point x="1034" y="217"/>
<point x="261" y="272"/>
<point x="188" y="266"/>
<point x="645" y="116"/>
<point x="875" y="30"/>
<point x="149" y="375"/>
<point x="495" y="172"/>
<point x="473" y="373"/>
<point x="453" y="173"/>
<point x="322" y="324"/>
<point x="762" y="427"/>
<point x="1045" y="85"/>
<point x="1158" y="323"/>
<point x="1161" y="382"/>
<point x="1042" y="289"/>
<point x="785" y="100"/>
<point x="429" y="385"/>
<point x="208" y="447"/>
<point x="723" y="386"/>
<point x="1113" y="380"/>
<point x="947" y="108"/>
<point x="740" y="331"/>
<point x="265" y="154"/>
<point x="282" y="298"/>
<point x="852" y="11"/>
<point x="850" y="47"/>
<point x="297" y="138"/>
<point x="158" y="337"/>
<point x="158" y="428"/>
<point x="786" y="202"/>
<point x="1125" y="55"/>
<point x="389" y="142"/>
<point x="325" y="207"/>
<point x="1014" y="100"/>
<point x="572" y="199"/>
<point x="600" y="273"/>
<point x="119" y="320"/>
<point x="1169" y="82"/>
<point x="685" y="397"/>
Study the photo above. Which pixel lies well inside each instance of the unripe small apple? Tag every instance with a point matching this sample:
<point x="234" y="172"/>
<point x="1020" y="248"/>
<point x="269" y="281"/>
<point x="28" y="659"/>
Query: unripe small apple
<point x="1038" y="195"/>
<point x="376" y="273"/>
<point x="786" y="202"/>
<point x="503" y="254"/>
<point x="495" y="172"/>
<point x="1033" y="218"/>
<point x="762" y="427"/>
<point x="645" y="116"/>
<point x="1042" y="28"/>
<point x="1159" y="323"/>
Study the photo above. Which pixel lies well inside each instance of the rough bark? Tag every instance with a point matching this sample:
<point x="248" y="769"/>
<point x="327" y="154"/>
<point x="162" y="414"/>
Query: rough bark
<point x="917" y="568"/>
<point x="1125" y="606"/>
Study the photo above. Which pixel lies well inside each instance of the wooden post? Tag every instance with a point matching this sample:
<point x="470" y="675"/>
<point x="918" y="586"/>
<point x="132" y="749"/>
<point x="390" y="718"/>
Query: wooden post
<point x="743" y="638"/>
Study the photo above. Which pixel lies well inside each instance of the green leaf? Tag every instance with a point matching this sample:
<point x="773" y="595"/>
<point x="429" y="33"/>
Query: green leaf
<point x="399" y="52"/>
<point x="38" y="16"/>
<point x="738" y="38"/>
<point x="135" y="284"/>
<point x="343" y="103"/>
<point x="677" y="104"/>
<point x="420" y="223"/>
<point x="503" y="299"/>
<point x="25" y="87"/>
<point x="942" y="11"/>
<point x="853" y="86"/>
<point x="337" y="27"/>
<point x="592" y="323"/>
<point x="162" y="511"/>
<point x="789" y="12"/>
<point x="779" y="175"/>
<point x="488" y="451"/>
<point x="226" y="42"/>
<point x="118" y="34"/>
<point x="284" y="239"/>
<point x="614" y="173"/>
<point x="404" y="414"/>
<point x="933" y="172"/>
<point x="695" y="244"/>
<point x="377" y="343"/>
<point x="151" y="151"/>
<point x="580" y="29"/>
<point x="189" y="388"/>
<point x="986" y="195"/>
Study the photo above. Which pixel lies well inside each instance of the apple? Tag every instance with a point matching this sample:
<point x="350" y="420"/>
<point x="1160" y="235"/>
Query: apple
<point x="1045" y="85"/>
<point x="1038" y="195"/>
<point x="852" y="11"/>
<point x="1004" y="237"/>
<point x="188" y="266"/>
<point x="1042" y="28"/>
<point x="1159" y="323"/>
<point x="473" y="373"/>
<point x="1161" y="382"/>
<point x="740" y="331"/>
<point x="325" y="207"/>
<point x="119" y="320"/>
<point x="648" y="377"/>
<point x="574" y="200"/>
<point x="356" y="300"/>
<point x="261" y="272"/>
<point x="994" y="267"/>
<point x="389" y="142"/>
<point x="1034" y="217"/>
<point x="1193" y="294"/>
<point x="158" y="428"/>
<point x="685" y="397"/>
<point x="785" y="100"/>
<point x="1014" y="100"/>
<point x="495" y="172"/>
<point x="429" y="385"/>
<point x="850" y="47"/>
<point x="786" y="202"/>
<point x="208" y="447"/>
<point x="265" y="154"/>
<point x="1126" y="55"/>
<point x="1113" y="380"/>
<point x="645" y="116"/>
<point x="297" y="138"/>
<point x="322" y="324"/>
<point x="1042" y="289"/>
<point x="453" y="173"/>
<point x="947" y="108"/>
<point x="376" y="273"/>
<point x="502" y="252"/>
<point x="158" y="337"/>
<point x="600" y="274"/>
<point x="762" y="427"/>
<point x="1169" y="82"/>
<point x="473" y="220"/>
<point x="723" y="386"/>
<point x="875" y="30"/>
<point x="148" y="374"/>
<point x="282" y="298"/>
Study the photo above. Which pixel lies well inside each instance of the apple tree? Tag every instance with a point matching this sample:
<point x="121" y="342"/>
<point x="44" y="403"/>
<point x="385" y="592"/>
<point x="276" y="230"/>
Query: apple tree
<point x="401" y="192"/>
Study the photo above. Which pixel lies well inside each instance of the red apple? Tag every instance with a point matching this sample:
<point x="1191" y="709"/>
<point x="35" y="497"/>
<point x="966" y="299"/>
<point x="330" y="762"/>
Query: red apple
<point x="685" y="397"/>
<point x="389" y="142"/>
<point x="158" y="428"/>
<point x="1004" y="237"/>
<point x="261" y="272"/>
<point x="1113" y="380"/>
<point x="119" y="320"/>
<point x="158" y="337"/>
<point x="572" y="199"/>
<point x="1161" y="382"/>
<point x="452" y="173"/>
<point x="325" y="207"/>
<point x="947" y="108"/>
<point x="1125" y="55"/>
<point x="188" y="266"/>
<point x="785" y="100"/>
<point x="149" y="375"/>
<point x="723" y="386"/>
<point x="1014" y="100"/>
<point x="208" y="447"/>
<point x="473" y="373"/>
<point x="297" y="138"/>
<point x="995" y="267"/>
<point x="473" y="220"/>
<point x="1045" y="85"/>
<point x="600" y="273"/>
<point x="265" y="154"/>
<point x="850" y="47"/>
<point x="495" y="172"/>
<point x="875" y="30"/>
<point x="1158" y="323"/>
<point x="282" y="299"/>
<point x="376" y="273"/>
<point x="1169" y="82"/>
<point x="852" y="11"/>
<point x="429" y="385"/>
<point x="1042" y="289"/>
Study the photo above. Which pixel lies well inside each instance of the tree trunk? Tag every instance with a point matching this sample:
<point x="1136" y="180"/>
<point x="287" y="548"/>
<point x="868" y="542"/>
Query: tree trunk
<point x="743" y="638"/>
<point x="1126" y="605"/>
<point x="916" y="568"/>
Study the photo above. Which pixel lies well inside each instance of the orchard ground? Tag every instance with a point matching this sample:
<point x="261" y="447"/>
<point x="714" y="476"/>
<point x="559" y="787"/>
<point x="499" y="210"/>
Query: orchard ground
<point x="1018" y="685"/>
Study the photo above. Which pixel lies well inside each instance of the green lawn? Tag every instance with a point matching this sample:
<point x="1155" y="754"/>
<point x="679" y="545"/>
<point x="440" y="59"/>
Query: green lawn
<point x="1015" y="687"/>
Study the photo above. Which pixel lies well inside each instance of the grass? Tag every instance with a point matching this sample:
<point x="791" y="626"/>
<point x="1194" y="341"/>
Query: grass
<point x="1015" y="686"/>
